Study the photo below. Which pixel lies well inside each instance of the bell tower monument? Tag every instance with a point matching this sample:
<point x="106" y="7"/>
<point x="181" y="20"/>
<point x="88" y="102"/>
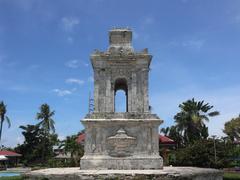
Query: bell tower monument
<point x="126" y="140"/>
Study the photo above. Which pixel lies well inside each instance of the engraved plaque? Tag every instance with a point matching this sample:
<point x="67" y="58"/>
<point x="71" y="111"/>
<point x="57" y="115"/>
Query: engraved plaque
<point x="121" y="145"/>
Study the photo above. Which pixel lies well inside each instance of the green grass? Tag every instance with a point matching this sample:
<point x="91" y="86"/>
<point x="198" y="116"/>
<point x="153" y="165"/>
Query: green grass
<point x="11" y="178"/>
<point x="229" y="176"/>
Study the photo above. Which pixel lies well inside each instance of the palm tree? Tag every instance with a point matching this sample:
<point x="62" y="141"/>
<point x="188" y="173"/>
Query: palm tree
<point x="45" y="115"/>
<point x="191" y="119"/>
<point x="232" y="128"/>
<point x="76" y="150"/>
<point x="46" y="124"/>
<point x="165" y="131"/>
<point x="3" y="117"/>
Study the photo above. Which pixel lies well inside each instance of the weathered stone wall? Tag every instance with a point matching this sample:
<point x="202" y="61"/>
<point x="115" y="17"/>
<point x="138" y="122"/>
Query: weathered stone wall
<point x="120" y="62"/>
<point x="121" y="140"/>
<point x="144" y="131"/>
<point x="121" y="144"/>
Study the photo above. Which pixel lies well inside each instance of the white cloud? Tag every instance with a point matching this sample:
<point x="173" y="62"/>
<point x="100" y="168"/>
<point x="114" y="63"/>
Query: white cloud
<point x="5" y="61"/>
<point x="69" y="23"/>
<point x="75" y="64"/>
<point x="74" y="81"/>
<point x="18" y="88"/>
<point x="62" y="92"/>
<point x="194" y="43"/>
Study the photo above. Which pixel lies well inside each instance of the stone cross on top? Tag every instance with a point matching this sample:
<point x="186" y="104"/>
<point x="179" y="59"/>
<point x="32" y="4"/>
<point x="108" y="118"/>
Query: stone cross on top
<point x="121" y="68"/>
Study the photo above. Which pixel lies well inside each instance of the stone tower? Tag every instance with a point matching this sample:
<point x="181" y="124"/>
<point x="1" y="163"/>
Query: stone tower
<point x="127" y="140"/>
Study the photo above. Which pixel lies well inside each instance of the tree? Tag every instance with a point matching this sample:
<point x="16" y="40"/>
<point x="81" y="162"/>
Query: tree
<point x="46" y="123"/>
<point x="45" y="115"/>
<point x="173" y="133"/>
<point x="3" y="118"/>
<point x="201" y="154"/>
<point x="39" y="138"/>
<point x="165" y="131"/>
<point x="32" y="148"/>
<point x="76" y="150"/>
<point x="232" y="128"/>
<point x="190" y="121"/>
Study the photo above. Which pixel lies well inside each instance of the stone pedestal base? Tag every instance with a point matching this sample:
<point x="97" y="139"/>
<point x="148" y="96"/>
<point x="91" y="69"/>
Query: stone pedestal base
<point x="167" y="173"/>
<point x="121" y="141"/>
<point x="105" y="162"/>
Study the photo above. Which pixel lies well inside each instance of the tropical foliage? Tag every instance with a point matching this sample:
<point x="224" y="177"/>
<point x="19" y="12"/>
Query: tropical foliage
<point x="45" y="116"/>
<point x="174" y="133"/>
<point x="39" y="138"/>
<point x="76" y="150"/>
<point x="232" y="129"/>
<point x="3" y="118"/>
<point x="190" y="121"/>
<point x="46" y="124"/>
<point x="32" y="149"/>
<point x="193" y="147"/>
<point x="211" y="152"/>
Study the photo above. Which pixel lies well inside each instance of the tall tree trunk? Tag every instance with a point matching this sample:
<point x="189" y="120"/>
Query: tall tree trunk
<point x="1" y="126"/>
<point x="43" y="148"/>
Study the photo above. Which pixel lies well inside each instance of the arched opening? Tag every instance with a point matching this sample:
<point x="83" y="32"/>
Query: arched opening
<point x="120" y="101"/>
<point x="120" y="95"/>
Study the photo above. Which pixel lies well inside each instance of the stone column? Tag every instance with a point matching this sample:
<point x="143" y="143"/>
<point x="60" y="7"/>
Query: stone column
<point x="108" y="95"/>
<point x="145" y="91"/>
<point x="96" y="91"/>
<point x="133" y="93"/>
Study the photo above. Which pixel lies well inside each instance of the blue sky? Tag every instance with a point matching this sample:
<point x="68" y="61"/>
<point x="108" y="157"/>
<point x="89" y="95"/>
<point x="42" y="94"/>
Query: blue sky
<point x="45" y="48"/>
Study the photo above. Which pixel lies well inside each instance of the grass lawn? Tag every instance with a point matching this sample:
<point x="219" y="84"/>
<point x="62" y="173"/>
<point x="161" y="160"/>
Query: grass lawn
<point x="11" y="178"/>
<point x="229" y="176"/>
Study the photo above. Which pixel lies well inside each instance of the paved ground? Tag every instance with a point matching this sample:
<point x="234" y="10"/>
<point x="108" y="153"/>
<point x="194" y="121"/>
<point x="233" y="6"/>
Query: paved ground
<point x="167" y="173"/>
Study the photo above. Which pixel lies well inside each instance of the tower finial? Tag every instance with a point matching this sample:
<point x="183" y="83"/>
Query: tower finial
<point x="120" y="39"/>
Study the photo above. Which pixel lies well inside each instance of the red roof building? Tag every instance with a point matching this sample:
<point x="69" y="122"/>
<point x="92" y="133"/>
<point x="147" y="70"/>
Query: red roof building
<point x="11" y="157"/>
<point x="9" y="153"/>
<point x="165" y="140"/>
<point x="80" y="139"/>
